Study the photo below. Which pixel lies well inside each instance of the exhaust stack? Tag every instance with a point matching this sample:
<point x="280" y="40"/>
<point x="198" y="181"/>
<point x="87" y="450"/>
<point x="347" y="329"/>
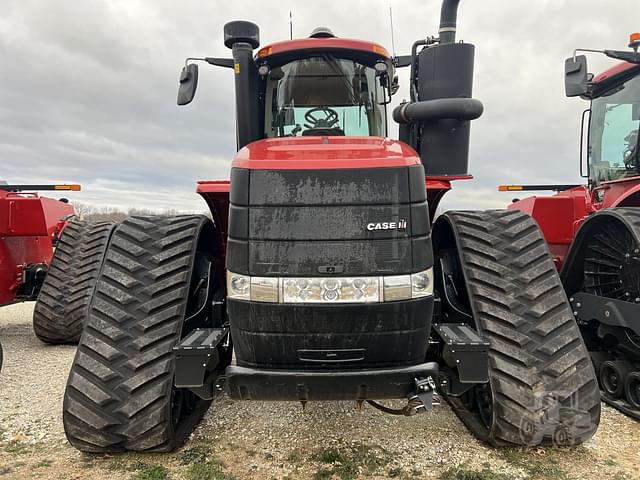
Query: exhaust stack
<point x="448" y="17"/>
<point x="437" y="124"/>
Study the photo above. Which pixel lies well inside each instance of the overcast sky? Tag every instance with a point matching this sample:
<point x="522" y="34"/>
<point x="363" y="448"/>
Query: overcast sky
<point x="88" y="88"/>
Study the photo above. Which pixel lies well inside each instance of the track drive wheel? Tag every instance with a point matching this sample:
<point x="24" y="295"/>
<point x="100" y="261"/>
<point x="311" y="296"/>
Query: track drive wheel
<point x="542" y="388"/>
<point x="632" y="389"/>
<point x="612" y="376"/>
<point x="63" y="301"/>
<point x="120" y="394"/>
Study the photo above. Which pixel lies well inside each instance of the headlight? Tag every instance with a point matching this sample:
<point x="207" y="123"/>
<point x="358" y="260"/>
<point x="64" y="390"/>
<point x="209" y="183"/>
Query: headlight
<point x="397" y="287"/>
<point x="330" y="289"/>
<point x="265" y="289"/>
<point x="238" y="286"/>
<point x="422" y="284"/>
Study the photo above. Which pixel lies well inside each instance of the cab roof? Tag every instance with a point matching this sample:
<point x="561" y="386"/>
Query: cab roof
<point x="613" y="77"/>
<point x="289" y="49"/>
<point x="613" y="71"/>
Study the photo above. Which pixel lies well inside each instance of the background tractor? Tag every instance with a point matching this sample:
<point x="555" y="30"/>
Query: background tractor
<point x="30" y="227"/>
<point x="320" y="276"/>
<point x="593" y="230"/>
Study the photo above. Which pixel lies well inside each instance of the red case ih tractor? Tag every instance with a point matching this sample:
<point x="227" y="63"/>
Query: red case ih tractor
<point x="593" y="230"/>
<point x="321" y="271"/>
<point x="30" y="226"/>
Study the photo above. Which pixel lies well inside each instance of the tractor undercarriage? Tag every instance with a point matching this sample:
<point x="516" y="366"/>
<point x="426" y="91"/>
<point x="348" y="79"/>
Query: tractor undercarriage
<point x="157" y="347"/>
<point x="607" y="306"/>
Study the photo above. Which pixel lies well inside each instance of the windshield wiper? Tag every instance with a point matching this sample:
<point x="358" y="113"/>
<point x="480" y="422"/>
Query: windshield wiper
<point x="336" y="67"/>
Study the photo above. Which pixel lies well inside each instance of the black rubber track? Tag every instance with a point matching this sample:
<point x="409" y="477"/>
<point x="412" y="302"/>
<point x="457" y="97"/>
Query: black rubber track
<point x="543" y="386"/>
<point x="63" y="301"/>
<point x="120" y="388"/>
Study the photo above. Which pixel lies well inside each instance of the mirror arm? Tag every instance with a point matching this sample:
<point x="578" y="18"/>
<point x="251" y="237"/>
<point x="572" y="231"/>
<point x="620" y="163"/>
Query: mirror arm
<point x="219" y="62"/>
<point x="631" y="57"/>
<point x="402" y="61"/>
<point x="585" y="50"/>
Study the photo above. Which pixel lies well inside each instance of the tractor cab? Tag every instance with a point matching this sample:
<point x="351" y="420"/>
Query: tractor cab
<point x="312" y="90"/>
<point x="316" y="86"/>
<point x="614" y="116"/>
<point x="613" y="130"/>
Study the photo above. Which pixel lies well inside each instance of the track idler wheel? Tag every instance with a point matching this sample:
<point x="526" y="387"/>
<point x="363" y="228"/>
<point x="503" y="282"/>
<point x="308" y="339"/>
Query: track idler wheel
<point x="632" y="389"/>
<point x="612" y="377"/>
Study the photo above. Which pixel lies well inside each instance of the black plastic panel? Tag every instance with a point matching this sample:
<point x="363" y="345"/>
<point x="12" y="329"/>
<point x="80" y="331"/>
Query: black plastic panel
<point x="329" y="222"/>
<point x="364" y="186"/>
<point x="239" y="194"/>
<point x="298" y="222"/>
<point x="281" y="335"/>
<point x="238" y="256"/>
<point x="306" y="258"/>
<point x="238" y="222"/>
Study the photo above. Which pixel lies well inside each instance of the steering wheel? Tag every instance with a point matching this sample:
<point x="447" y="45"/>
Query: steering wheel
<point x="329" y="121"/>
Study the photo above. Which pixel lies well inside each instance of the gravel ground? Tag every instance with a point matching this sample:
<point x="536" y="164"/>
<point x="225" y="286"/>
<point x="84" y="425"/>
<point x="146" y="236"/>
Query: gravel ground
<point x="263" y="440"/>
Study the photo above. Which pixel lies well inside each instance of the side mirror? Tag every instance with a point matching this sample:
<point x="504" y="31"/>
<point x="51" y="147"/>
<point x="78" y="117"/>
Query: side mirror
<point x="575" y="76"/>
<point x="188" y="84"/>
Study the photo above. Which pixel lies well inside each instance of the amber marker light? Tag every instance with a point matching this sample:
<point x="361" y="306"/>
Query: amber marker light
<point x="509" y="188"/>
<point x="73" y="187"/>
<point x="264" y="52"/>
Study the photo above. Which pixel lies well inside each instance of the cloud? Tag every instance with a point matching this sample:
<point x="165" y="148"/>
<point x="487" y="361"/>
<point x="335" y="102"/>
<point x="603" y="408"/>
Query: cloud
<point x="87" y="89"/>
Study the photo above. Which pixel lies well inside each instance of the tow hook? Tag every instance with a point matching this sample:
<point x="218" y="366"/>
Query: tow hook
<point x="425" y="396"/>
<point x="421" y="400"/>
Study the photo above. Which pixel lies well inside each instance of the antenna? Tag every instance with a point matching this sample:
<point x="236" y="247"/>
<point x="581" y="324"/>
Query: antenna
<point x="290" y="25"/>
<point x="393" y="43"/>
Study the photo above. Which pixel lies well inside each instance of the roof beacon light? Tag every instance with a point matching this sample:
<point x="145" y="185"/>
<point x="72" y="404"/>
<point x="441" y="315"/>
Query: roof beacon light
<point x="322" y="32"/>
<point x="634" y="41"/>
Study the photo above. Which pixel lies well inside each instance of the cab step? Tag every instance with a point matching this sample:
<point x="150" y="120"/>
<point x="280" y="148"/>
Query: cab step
<point x="197" y="355"/>
<point x="464" y="349"/>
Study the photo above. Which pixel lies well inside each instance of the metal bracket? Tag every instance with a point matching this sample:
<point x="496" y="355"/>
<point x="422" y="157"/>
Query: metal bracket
<point x="197" y="358"/>
<point x="464" y="349"/>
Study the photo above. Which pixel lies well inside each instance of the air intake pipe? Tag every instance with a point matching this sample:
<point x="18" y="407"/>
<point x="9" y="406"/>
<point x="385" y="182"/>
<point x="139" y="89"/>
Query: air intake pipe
<point x="439" y="120"/>
<point x="438" y="109"/>
<point x="242" y="38"/>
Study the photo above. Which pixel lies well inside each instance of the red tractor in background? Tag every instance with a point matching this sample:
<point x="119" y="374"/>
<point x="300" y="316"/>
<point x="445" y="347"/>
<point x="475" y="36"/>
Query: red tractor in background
<point x="593" y="230"/>
<point x="30" y="226"/>
<point x="321" y="276"/>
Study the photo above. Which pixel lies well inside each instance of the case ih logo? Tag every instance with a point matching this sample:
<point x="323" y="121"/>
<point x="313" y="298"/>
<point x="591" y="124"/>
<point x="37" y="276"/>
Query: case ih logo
<point x="399" y="225"/>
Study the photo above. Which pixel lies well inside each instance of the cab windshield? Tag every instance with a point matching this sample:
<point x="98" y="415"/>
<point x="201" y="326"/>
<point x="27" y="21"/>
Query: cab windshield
<point x="324" y="95"/>
<point x="613" y="140"/>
